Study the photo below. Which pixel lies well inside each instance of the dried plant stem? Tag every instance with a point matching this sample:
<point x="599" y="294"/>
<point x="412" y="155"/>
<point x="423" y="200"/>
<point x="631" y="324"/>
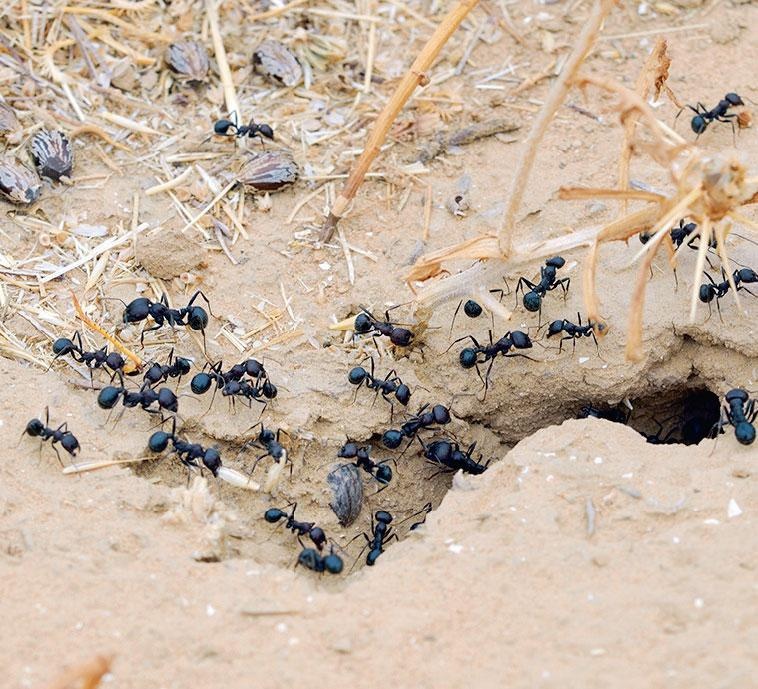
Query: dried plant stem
<point x="230" y="93"/>
<point x="557" y="94"/>
<point x="414" y="77"/>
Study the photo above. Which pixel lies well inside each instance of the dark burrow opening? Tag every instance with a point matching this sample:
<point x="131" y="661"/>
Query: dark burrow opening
<point x="684" y="415"/>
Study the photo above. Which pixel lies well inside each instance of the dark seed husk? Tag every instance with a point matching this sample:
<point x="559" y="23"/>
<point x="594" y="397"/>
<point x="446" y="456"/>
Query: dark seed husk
<point x="18" y="183"/>
<point x="347" y="492"/>
<point x="277" y="63"/>
<point x="8" y="119"/>
<point x="189" y="59"/>
<point x="269" y="171"/>
<point x="52" y="154"/>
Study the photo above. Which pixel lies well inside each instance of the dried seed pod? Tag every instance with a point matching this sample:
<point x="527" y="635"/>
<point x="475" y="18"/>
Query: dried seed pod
<point x="189" y="59"/>
<point x="52" y="154"/>
<point x="277" y="63"/>
<point x="347" y="492"/>
<point x="8" y="119"/>
<point x="18" y="183"/>
<point x="269" y="171"/>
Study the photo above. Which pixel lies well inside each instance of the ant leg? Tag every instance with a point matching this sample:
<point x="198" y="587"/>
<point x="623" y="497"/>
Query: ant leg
<point x="597" y="346"/>
<point x="57" y="454"/>
<point x="197" y="294"/>
<point x="460" y="339"/>
<point x="452" y="323"/>
<point x="520" y="286"/>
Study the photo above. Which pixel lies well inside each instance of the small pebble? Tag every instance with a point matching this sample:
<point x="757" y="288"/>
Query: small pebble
<point x="734" y="509"/>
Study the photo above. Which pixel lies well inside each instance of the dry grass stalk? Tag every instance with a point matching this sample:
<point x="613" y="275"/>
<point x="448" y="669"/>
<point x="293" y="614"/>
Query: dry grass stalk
<point x="414" y="77"/>
<point x="555" y="97"/>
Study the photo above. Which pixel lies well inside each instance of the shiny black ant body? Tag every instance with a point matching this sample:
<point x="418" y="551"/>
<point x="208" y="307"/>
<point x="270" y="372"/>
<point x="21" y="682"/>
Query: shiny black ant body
<point x="269" y="441"/>
<point x="194" y="317"/>
<point x="232" y="384"/>
<point x="438" y="415"/>
<point x="703" y="117"/>
<point x="449" y="455"/>
<point x="189" y="453"/>
<point x="740" y="411"/>
<point x="614" y="414"/>
<point x="532" y="299"/>
<point x="67" y="440"/>
<point x="226" y="127"/>
<point x="573" y="332"/>
<point x="382" y="532"/>
<point x="64" y="346"/>
<point x="709" y="292"/>
<point x="473" y="309"/>
<point x="471" y="357"/>
<point x="366" y="323"/>
<point x="378" y="470"/>
<point x="311" y="559"/>
<point x="392" y="384"/>
<point x="315" y="533"/>
<point x="145" y="397"/>
<point x="173" y="368"/>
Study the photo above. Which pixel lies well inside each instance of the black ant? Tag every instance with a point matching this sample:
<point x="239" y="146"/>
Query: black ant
<point x="573" y="332"/>
<point x="718" y="290"/>
<point x="146" y="396"/>
<point x="378" y="470"/>
<point x="365" y="322"/>
<point x="315" y="533"/>
<point x="231" y="383"/>
<point x="311" y="559"/>
<point x="269" y="441"/>
<point x="703" y="117"/>
<point x="473" y="309"/>
<point x="470" y="356"/>
<point x="439" y="415"/>
<point x="532" y="299"/>
<point x="97" y="359"/>
<point x="194" y="317"/>
<point x="614" y="415"/>
<point x="228" y="128"/>
<point x="174" y="368"/>
<point x="188" y="453"/>
<point x="62" y="435"/>
<point x="449" y="455"/>
<point x="390" y="385"/>
<point x="740" y="411"/>
<point x="382" y="532"/>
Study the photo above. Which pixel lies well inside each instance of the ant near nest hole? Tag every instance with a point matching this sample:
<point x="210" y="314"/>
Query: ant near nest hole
<point x="37" y="429"/>
<point x="714" y="290"/>
<point x="379" y="471"/>
<point x="573" y="331"/>
<point x="473" y="309"/>
<point x="366" y="322"/>
<point x="532" y="299"/>
<point x="392" y="384"/>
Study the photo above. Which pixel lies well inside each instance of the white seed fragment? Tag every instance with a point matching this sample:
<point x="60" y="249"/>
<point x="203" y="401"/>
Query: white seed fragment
<point x="734" y="509"/>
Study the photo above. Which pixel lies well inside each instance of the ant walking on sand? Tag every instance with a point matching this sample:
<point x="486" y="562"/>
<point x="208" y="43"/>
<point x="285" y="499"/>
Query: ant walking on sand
<point x="439" y="415"/>
<point x="532" y="299"/>
<point x="38" y="429"/>
<point x="377" y="470"/>
<point x="366" y="322"/>
<point x="145" y="397"/>
<point x="64" y="346"/>
<point x="225" y="127"/>
<point x="740" y="411"/>
<point x="189" y="453"/>
<point x="449" y="455"/>
<point x="392" y="384"/>
<point x="703" y="117"/>
<point x="173" y="368"/>
<point x="573" y="332"/>
<point x="714" y="290"/>
<point x="311" y="559"/>
<point x="315" y="533"/>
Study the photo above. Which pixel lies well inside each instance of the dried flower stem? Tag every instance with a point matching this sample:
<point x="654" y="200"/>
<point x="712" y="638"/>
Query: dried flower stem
<point x="230" y="93"/>
<point x="557" y="94"/>
<point x="414" y="77"/>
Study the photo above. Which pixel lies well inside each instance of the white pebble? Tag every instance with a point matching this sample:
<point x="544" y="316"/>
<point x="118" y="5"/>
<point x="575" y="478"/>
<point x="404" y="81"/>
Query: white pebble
<point x="281" y="627"/>
<point x="210" y="610"/>
<point x="598" y="460"/>
<point x="456" y="548"/>
<point x="711" y="521"/>
<point x="734" y="509"/>
<point x="699" y="603"/>
<point x="583" y="359"/>
<point x="325" y="265"/>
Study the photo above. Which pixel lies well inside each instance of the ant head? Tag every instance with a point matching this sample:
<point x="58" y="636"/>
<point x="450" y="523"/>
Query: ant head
<point x="556" y="262"/>
<point x="167" y="400"/>
<point x="115" y="361"/>
<point x="644" y="237"/>
<point x="266" y="435"/>
<point x="200" y="383"/>
<point x="403" y="394"/>
<point x="689" y="228"/>
<point x="222" y="127"/>
<point x="158" y="441"/>
<point x="348" y="450"/>
<point x="357" y="375"/>
<point x="363" y="323"/>
<point x="467" y="357"/>
<point x="736" y="394"/>
<point x="269" y="390"/>
<point x="197" y="318"/>
<point x="63" y="346"/>
<point x="69" y="443"/>
<point x="532" y="301"/>
<point x="391" y="439"/>
<point x="383" y="474"/>
<point x="733" y="99"/>
<point x="383" y="517"/>
<point x="747" y="275"/>
<point x="472" y="309"/>
<point x="212" y="460"/>
<point x="108" y="397"/>
<point x="182" y="365"/>
<point x="333" y="563"/>
<point x="744" y="432"/>
<point x="441" y="414"/>
<point x="266" y="131"/>
<point x="35" y="427"/>
<point x="707" y="292"/>
<point x="698" y="124"/>
<point x="318" y="536"/>
<point x="554" y="328"/>
<point x="137" y="310"/>
<point x="402" y="337"/>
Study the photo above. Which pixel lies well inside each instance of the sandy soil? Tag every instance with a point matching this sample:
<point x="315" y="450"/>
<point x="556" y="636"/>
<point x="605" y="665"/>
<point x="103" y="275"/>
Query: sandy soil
<point x="584" y="556"/>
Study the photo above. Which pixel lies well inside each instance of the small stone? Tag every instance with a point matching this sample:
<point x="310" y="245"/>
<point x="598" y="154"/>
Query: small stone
<point x="733" y="510"/>
<point x="168" y="253"/>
